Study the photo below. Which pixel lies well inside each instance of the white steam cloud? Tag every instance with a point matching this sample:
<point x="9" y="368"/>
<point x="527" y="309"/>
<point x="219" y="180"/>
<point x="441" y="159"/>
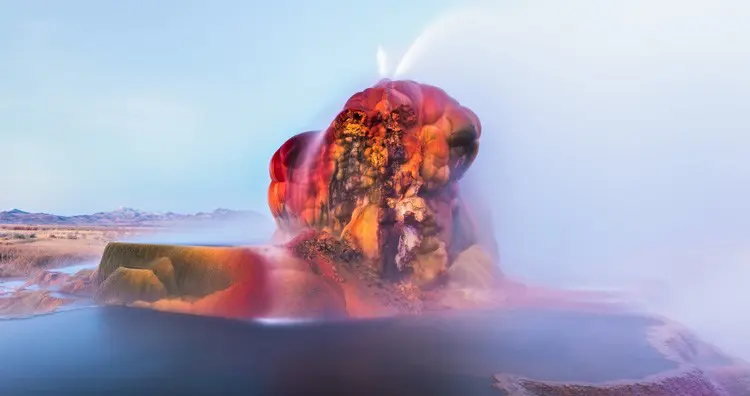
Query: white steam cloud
<point x="382" y="59"/>
<point x="249" y="230"/>
<point x="615" y="145"/>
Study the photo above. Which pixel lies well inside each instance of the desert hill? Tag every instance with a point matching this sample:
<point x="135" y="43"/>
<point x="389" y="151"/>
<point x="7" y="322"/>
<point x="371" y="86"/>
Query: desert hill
<point x="123" y="217"/>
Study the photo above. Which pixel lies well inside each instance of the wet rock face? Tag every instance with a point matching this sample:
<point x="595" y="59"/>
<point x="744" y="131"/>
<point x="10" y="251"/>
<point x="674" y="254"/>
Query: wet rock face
<point x="383" y="178"/>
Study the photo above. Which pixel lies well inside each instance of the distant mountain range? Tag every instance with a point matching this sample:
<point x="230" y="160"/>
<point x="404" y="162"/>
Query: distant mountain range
<point x="122" y="217"/>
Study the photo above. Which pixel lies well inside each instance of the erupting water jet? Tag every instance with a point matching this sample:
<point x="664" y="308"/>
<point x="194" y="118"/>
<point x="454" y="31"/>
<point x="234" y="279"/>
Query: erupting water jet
<point x="382" y="59"/>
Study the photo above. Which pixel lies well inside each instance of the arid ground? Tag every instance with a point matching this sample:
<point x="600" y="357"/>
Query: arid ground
<point x="42" y="266"/>
<point x="25" y="250"/>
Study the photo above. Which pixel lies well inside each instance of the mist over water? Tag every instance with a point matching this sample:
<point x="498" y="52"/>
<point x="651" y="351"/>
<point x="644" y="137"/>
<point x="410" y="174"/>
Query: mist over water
<point x="232" y="232"/>
<point x="615" y="145"/>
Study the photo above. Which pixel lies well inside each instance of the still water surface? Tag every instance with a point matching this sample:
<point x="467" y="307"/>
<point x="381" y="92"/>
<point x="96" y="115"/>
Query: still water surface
<point x="117" y="350"/>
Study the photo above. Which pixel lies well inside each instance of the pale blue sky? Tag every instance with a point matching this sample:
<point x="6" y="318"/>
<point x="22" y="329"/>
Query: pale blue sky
<point x="175" y="104"/>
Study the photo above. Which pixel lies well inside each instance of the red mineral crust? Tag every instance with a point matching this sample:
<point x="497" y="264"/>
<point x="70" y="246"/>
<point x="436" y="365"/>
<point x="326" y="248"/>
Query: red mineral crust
<point x="383" y="179"/>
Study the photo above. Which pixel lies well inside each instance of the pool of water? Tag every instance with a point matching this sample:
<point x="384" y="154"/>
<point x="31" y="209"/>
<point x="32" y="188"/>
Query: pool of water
<point x="74" y="269"/>
<point x="10" y="285"/>
<point x="101" y="350"/>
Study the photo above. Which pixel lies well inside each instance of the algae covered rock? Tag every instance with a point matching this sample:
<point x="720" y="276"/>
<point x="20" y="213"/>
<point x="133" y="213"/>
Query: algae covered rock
<point x="127" y="285"/>
<point x="164" y="270"/>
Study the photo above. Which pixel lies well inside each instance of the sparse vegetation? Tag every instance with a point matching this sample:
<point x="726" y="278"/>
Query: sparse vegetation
<point x="28" y="249"/>
<point x="22" y="228"/>
<point x="15" y="234"/>
<point x="22" y="261"/>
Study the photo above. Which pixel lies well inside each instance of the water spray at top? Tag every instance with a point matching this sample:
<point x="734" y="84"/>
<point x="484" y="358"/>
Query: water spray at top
<point x="382" y="59"/>
<point x="384" y="70"/>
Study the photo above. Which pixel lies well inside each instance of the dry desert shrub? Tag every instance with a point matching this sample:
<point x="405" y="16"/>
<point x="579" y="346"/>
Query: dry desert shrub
<point x="23" y="228"/>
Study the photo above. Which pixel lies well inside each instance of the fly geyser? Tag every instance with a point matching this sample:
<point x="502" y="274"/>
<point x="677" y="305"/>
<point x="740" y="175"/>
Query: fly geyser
<point x="383" y="179"/>
<point x="370" y="222"/>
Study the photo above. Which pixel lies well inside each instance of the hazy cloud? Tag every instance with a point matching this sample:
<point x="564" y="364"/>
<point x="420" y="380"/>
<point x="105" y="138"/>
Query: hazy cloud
<point x="615" y="143"/>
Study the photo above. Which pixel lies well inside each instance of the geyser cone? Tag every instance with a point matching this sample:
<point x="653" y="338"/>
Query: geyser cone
<point x="385" y="179"/>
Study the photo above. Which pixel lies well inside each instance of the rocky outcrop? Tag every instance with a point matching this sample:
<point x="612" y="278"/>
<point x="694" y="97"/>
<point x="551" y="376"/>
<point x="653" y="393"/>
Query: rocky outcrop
<point x="80" y="284"/>
<point x="684" y="383"/>
<point x="30" y="302"/>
